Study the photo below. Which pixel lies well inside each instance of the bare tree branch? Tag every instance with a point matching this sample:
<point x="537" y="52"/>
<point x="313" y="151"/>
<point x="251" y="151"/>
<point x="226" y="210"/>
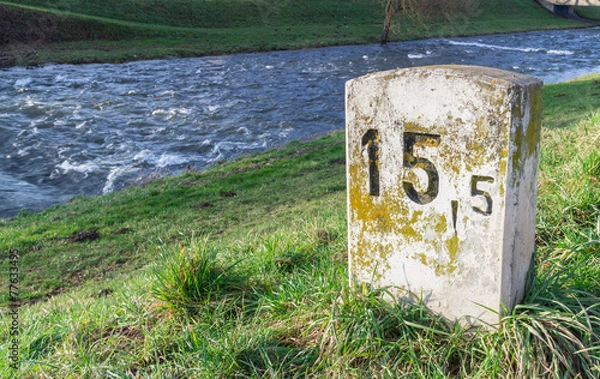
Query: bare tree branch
<point x="423" y="11"/>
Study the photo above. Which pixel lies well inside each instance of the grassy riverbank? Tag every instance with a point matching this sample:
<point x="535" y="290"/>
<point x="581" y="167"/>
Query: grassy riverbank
<point x="592" y="13"/>
<point x="72" y="31"/>
<point x="240" y="271"/>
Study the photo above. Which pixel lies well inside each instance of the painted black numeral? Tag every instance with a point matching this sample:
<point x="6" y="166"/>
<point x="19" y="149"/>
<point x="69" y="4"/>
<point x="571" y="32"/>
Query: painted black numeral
<point x="477" y="192"/>
<point x="371" y="141"/>
<point x="410" y="161"/>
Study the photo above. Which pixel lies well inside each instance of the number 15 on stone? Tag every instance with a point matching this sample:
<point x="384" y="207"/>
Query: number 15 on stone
<point x="442" y="184"/>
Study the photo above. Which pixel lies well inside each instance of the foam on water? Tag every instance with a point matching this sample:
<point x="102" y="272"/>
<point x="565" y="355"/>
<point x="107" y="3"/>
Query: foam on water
<point x="511" y="48"/>
<point x="167" y="160"/>
<point x="495" y="47"/>
<point x="560" y="52"/>
<point x="114" y="175"/>
<point x="84" y="168"/>
<point x="19" y="83"/>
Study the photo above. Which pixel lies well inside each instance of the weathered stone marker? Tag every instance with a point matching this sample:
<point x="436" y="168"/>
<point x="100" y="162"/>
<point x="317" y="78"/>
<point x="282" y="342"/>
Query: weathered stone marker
<point x="442" y="185"/>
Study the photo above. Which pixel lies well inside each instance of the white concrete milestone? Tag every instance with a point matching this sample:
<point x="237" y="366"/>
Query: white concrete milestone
<point x="442" y="185"/>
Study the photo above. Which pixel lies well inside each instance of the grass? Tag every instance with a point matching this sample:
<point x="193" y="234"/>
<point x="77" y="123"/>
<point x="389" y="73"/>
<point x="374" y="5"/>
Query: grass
<point x="207" y="202"/>
<point x="593" y="13"/>
<point x="240" y="271"/>
<point x="72" y="31"/>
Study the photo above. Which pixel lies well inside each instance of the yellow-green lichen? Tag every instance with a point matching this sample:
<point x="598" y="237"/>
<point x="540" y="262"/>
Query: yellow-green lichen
<point x="439" y="266"/>
<point x="527" y="132"/>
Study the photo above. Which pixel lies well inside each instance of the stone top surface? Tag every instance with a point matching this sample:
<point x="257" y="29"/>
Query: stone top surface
<point x="480" y="73"/>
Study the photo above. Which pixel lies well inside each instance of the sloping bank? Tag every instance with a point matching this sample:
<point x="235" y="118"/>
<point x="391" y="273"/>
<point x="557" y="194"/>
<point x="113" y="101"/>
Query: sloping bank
<point x="90" y="238"/>
<point x="70" y="31"/>
<point x="247" y="275"/>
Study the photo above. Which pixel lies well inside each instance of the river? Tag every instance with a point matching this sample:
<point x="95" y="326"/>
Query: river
<point x="68" y="130"/>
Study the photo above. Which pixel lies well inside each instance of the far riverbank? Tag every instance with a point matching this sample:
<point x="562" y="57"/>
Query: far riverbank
<point x="38" y="32"/>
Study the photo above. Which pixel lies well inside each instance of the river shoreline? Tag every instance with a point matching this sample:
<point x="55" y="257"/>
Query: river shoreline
<point x="76" y="38"/>
<point x="37" y="55"/>
<point x="80" y="130"/>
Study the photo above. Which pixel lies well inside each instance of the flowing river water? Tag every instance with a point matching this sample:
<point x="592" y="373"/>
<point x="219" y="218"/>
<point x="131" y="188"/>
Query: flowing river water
<point x="68" y="130"/>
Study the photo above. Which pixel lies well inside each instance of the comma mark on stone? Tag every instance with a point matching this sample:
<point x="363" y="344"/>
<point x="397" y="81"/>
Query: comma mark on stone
<point x="454" y="204"/>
